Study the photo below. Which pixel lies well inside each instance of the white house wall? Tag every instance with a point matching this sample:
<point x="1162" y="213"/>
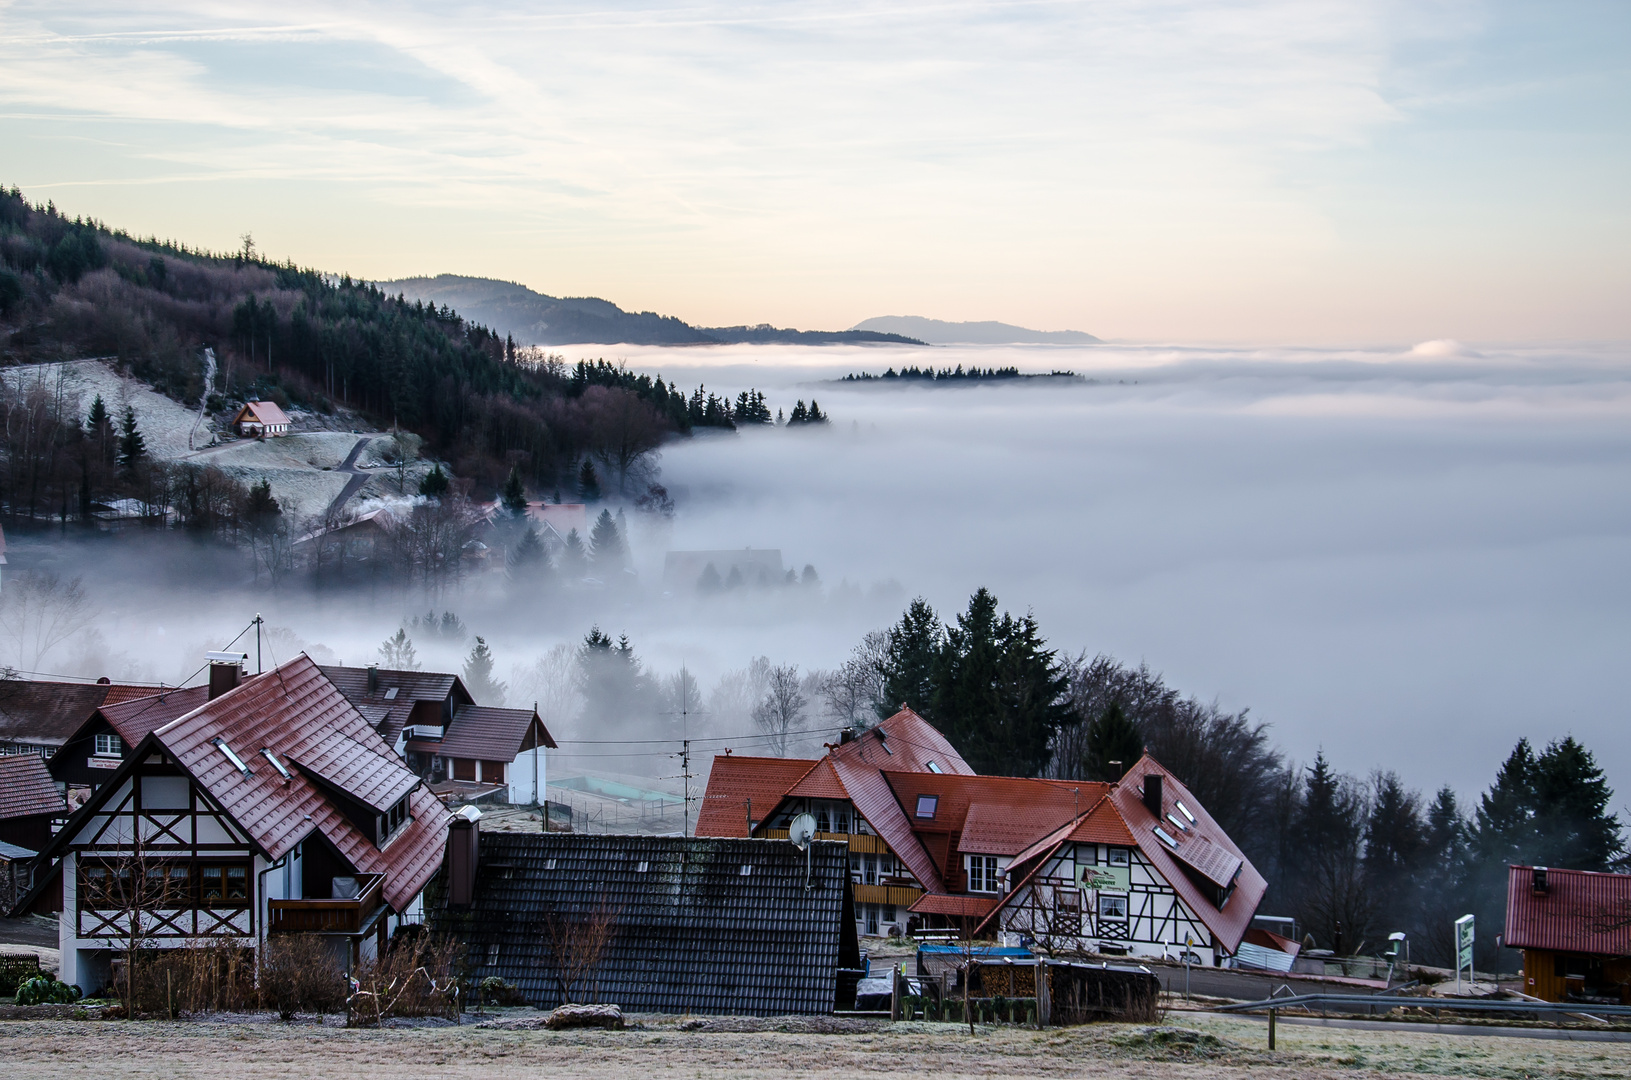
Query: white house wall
<point x="1158" y="922"/>
<point x="523" y="788"/>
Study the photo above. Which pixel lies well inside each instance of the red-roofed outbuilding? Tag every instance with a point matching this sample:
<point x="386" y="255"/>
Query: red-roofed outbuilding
<point x="1574" y="927"/>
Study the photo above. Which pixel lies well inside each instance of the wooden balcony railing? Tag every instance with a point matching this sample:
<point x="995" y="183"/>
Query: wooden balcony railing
<point x="327" y="916"/>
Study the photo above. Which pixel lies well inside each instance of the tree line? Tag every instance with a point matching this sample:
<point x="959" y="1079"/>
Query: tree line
<point x="72" y="288"/>
<point x="1351" y="858"/>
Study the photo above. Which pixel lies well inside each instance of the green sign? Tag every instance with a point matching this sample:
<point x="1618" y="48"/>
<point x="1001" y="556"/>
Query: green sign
<point x="1463" y="943"/>
<point x="1107" y="878"/>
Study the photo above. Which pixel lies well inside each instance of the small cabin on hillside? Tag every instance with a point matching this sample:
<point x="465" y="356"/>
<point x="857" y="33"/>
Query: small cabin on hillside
<point x="260" y="419"/>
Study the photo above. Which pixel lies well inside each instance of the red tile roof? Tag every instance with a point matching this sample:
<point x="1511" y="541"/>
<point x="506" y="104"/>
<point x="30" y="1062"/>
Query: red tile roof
<point x="484" y="733"/>
<point x="820" y="782"/>
<point x="48" y="713"/>
<point x="992" y="815"/>
<point x="309" y="725"/>
<point x="1228" y="925"/>
<point x="1576" y="915"/>
<point x="134" y="717"/>
<point x="973" y="907"/>
<point x="266" y="412"/>
<point x="735" y="783"/>
<point x="26" y="789"/>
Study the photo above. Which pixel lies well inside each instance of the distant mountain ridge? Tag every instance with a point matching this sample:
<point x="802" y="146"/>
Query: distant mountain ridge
<point x="939" y="332"/>
<point x="535" y="319"/>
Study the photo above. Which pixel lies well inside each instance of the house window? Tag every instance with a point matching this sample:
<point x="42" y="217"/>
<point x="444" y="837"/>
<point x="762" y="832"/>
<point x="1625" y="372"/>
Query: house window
<point x="982" y="873"/>
<point x="840" y="821"/>
<point x="223" y="885"/>
<point x="871" y="869"/>
<point x="1118" y="856"/>
<point x="889" y="913"/>
<point x="1112" y="908"/>
<point x="821" y="821"/>
<point x="926" y="805"/>
<point x="109" y="745"/>
<point x="872" y="920"/>
<point x="856" y="864"/>
<point x="393" y="819"/>
<point x="1067" y="901"/>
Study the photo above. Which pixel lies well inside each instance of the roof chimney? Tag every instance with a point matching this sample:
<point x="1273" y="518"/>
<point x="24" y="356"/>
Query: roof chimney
<point x="847" y="735"/>
<point x="1152" y="793"/>
<point x="463" y="856"/>
<point x="1538" y="880"/>
<point x="226" y="668"/>
<point x="373" y="677"/>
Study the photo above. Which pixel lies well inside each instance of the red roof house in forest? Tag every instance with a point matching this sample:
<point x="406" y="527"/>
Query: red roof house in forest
<point x="258" y="419"/>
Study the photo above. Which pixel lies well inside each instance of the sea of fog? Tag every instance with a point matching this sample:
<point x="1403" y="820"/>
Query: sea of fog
<point x="1406" y="557"/>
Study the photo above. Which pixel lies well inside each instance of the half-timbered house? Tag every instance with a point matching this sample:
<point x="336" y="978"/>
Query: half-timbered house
<point x="1137" y="867"/>
<point x="1144" y="870"/>
<point x="273" y="807"/>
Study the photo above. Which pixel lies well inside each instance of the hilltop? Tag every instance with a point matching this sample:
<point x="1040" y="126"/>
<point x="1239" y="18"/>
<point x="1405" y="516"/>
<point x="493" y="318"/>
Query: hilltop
<point x="938" y="332"/>
<point x="533" y="318"/>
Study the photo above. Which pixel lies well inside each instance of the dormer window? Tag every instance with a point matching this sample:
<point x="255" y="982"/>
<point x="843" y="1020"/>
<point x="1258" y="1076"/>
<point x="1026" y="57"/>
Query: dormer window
<point x="393" y="819"/>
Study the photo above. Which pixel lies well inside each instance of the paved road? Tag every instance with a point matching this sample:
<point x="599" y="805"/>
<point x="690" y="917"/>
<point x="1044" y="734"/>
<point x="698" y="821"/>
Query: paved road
<point x="1247" y="986"/>
<point x="358" y="477"/>
<point x="1423" y="1028"/>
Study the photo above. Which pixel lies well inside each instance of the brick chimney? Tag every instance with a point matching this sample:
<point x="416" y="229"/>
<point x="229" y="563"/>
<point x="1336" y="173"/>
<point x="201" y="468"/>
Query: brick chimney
<point x="226" y="669"/>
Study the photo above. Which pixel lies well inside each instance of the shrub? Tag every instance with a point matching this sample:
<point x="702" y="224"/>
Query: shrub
<point x="46" y="990"/>
<point x="300" y="973"/>
<point x="414" y="977"/>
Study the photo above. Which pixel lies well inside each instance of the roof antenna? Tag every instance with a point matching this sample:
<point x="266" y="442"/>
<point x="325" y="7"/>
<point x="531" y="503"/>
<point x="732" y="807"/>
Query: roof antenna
<point x="258" y="621"/>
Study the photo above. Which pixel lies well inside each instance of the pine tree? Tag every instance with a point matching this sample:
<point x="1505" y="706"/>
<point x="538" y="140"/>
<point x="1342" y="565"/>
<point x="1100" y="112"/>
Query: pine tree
<point x="574" y="558"/>
<point x="478" y="676"/>
<point x="435" y="484"/>
<point x="605" y="543"/>
<point x="1114" y="745"/>
<point x="514" y="497"/>
<point x="527" y="563"/>
<point x="260" y="502"/>
<point x="588" y="483"/>
<point x="709" y="580"/>
<point x="99" y="427"/>
<point x="132" y="446"/>
<point x="912" y="660"/>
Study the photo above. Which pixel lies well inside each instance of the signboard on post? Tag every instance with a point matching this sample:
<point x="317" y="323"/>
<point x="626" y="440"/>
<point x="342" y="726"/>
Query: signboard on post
<point x="1463" y="949"/>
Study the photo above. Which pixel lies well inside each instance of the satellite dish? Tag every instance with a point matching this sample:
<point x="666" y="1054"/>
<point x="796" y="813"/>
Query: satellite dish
<point x="802" y="831"/>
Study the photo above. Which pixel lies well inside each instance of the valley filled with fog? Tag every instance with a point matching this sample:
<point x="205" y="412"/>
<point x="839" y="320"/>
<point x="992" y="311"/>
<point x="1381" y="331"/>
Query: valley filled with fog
<point x="1407" y="557"/>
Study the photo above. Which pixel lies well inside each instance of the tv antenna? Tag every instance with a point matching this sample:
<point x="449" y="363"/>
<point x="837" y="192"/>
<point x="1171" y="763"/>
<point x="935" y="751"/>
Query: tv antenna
<point x="801" y="832"/>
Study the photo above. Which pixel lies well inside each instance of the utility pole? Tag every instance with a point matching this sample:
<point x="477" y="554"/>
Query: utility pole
<point x="258" y="621"/>
<point x="685" y="773"/>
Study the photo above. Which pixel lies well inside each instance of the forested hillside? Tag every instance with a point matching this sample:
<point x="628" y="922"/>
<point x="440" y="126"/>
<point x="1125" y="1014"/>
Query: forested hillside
<point x="73" y="288"/>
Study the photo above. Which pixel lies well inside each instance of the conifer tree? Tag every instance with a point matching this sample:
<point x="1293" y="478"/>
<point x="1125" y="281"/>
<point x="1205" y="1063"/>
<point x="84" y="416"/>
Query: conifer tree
<point x="397" y="652"/>
<point x="527" y="563"/>
<point x="816" y="415"/>
<point x="1113" y="744"/>
<point x="709" y="580"/>
<point x="588" y="483"/>
<point x="605" y="543"/>
<point x="132" y="446"/>
<point x="435" y="484"/>
<point x="478" y="676"/>
<point x="99" y="427"/>
<point x="514" y="497"/>
<point x="574" y="558"/>
<point x="912" y="660"/>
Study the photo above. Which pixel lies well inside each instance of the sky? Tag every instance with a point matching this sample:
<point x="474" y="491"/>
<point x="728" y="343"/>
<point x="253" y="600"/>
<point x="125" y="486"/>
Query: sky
<point x="1314" y="172"/>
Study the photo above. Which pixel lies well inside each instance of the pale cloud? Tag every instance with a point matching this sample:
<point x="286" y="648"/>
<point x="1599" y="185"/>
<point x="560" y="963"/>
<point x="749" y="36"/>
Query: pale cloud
<point x="1150" y="169"/>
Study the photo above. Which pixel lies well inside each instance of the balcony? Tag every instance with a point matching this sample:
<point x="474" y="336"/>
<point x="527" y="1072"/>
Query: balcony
<point x="349" y="916"/>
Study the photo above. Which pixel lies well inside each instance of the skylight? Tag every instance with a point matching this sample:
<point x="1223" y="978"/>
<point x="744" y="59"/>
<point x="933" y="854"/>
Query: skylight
<point x="390" y="695"/>
<point x="1184" y="810"/>
<point x="1166" y="837"/>
<point x="266" y="753"/>
<point x="926" y="805"/>
<point x="932" y="766"/>
<point x="1176" y="820"/>
<point x="237" y="762"/>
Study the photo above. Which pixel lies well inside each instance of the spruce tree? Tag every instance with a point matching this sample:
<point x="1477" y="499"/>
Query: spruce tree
<point x="574" y="558"/>
<point x="514" y="497"/>
<point x="1114" y="745"/>
<point x="99" y="427"/>
<point x="435" y="484"/>
<point x="527" y="563"/>
<point x="912" y="660"/>
<point x="588" y="483"/>
<point x="709" y="580"/>
<point x="605" y="544"/>
<point x="132" y="446"/>
<point x="478" y="676"/>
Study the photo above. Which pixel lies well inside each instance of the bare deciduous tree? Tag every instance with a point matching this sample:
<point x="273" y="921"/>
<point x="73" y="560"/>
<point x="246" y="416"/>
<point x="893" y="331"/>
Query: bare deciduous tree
<point x="39" y="611"/>
<point x="780" y="711"/>
<point x="854" y="692"/>
<point x="551" y="682"/>
<point x="577" y="943"/>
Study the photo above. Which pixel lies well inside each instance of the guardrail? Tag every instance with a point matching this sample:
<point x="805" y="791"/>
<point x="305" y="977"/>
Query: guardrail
<point x="1371" y="1003"/>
